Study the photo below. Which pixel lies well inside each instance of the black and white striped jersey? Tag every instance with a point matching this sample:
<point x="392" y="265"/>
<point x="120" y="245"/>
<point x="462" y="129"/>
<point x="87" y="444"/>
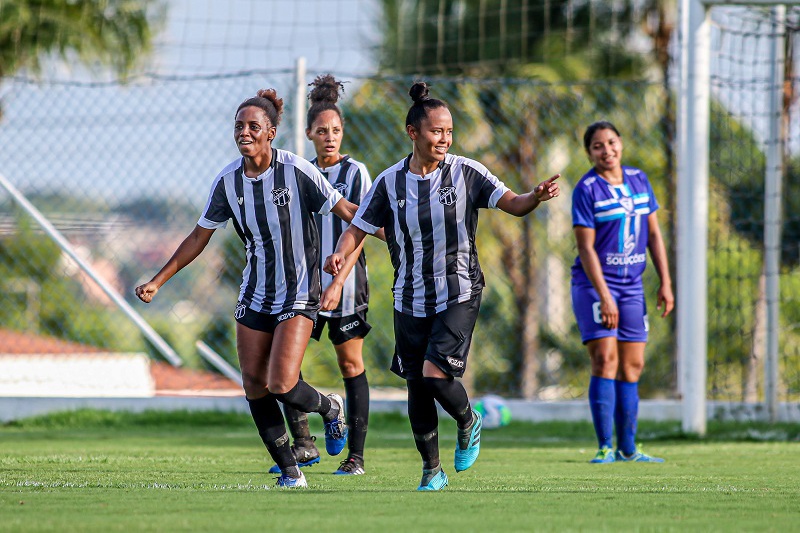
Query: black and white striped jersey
<point x="273" y="215"/>
<point x="430" y="228"/>
<point x="352" y="180"/>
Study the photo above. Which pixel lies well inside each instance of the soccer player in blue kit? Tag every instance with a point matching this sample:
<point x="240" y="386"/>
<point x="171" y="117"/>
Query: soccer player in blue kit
<point x="615" y="223"/>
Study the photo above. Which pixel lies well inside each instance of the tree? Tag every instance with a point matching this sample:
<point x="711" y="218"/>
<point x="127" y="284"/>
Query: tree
<point x="113" y="33"/>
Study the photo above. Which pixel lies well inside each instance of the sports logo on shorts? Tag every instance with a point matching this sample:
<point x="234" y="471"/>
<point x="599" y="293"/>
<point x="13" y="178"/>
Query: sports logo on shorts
<point x="341" y="187"/>
<point x="281" y="197"/>
<point x="447" y="195"/>
<point x="286" y="316"/>
<point x="455" y="363"/>
<point x="351" y="325"/>
<point x="240" y="310"/>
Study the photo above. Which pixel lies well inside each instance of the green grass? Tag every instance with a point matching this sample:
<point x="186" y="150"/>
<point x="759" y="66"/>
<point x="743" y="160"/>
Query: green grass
<point x="102" y="471"/>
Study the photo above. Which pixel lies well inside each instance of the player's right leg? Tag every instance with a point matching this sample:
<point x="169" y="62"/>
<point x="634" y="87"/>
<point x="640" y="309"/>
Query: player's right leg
<point x="351" y="364"/>
<point x="303" y="446"/>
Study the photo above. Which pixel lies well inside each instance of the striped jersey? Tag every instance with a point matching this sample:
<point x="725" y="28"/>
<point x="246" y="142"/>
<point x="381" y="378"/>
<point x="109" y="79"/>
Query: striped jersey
<point x="430" y="225"/>
<point x="273" y="216"/>
<point x="352" y="180"/>
<point x="618" y="214"/>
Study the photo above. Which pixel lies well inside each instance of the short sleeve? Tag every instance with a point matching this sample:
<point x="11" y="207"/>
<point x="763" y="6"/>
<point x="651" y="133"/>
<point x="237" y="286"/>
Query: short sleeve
<point x="485" y="188"/>
<point x="217" y="210"/>
<point x="320" y="196"/>
<point x="374" y="210"/>
<point x="582" y="206"/>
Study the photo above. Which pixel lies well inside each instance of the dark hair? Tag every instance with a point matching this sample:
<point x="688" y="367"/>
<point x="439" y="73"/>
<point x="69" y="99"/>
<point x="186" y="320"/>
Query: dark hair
<point x="323" y="97"/>
<point x="267" y="100"/>
<point x="594" y="128"/>
<point x="422" y="103"/>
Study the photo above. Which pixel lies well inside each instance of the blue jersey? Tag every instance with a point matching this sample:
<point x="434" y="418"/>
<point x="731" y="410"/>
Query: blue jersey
<point x="618" y="214"/>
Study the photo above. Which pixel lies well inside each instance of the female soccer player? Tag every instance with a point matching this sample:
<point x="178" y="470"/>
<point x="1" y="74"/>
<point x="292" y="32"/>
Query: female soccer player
<point x="271" y="195"/>
<point x="345" y="296"/>
<point x="614" y="220"/>
<point x="428" y="205"/>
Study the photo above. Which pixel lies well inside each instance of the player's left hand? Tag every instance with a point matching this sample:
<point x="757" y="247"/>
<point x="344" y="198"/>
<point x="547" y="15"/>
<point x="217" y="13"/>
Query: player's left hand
<point x="330" y="297"/>
<point x="665" y="298"/>
<point x="547" y="189"/>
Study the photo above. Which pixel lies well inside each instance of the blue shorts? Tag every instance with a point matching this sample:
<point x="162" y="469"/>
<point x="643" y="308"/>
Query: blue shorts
<point x="633" y="325"/>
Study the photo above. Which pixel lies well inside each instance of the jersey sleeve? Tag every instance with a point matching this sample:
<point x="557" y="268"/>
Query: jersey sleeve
<point x="653" y="202"/>
<point x="217" y="210"/>
<point x="320" y="196"/>
<point x="366" y="184"/>
<point x="485" y="188"/>
<point x="582" y="206"/>
<point x="374" y="209"/>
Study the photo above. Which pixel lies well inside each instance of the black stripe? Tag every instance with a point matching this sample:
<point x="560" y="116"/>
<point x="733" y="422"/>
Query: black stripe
<point x="311" y="240"/>
<point x="451" y="238"/>
<point x="247" y="296"/>
<point x="426" y="230"/>
<point x="268" y="269"/>
<point x="287" y="248"/>
<point x="479" y="194"/>
<point x="408" y="247"/>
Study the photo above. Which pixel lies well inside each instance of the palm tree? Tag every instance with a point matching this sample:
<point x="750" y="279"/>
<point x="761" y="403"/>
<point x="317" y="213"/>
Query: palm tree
<point x="112" y="33"/>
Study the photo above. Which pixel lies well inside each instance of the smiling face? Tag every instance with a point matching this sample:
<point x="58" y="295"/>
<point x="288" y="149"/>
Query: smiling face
<point x="253" y="132"/>
<point x="326" y="133"/>
<point x="434" y="137"/>
<point x="605" y="151"/>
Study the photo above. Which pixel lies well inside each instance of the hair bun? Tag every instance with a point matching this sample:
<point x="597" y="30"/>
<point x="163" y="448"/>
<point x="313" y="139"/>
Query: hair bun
<point x="326" y="89"/>
<point x="419" y="92"/>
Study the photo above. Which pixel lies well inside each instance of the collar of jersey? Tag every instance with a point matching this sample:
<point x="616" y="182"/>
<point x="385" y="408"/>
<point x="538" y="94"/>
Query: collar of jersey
<point x="407" y="168"/>
<point x="331" y="168"/>
<point x="261" y="176"/>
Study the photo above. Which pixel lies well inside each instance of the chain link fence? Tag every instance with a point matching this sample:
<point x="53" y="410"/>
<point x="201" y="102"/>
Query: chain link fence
<point x="124" y="170"/>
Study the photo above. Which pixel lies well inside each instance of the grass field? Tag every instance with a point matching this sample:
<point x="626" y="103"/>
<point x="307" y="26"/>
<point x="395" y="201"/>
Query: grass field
<point x="101" y="471"/>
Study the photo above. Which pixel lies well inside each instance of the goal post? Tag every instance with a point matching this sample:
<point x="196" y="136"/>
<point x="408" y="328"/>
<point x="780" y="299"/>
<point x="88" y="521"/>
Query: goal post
<point x="693" y="155"/>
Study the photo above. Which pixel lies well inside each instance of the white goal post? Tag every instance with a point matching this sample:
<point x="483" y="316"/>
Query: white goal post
<point x="693" y="129"/>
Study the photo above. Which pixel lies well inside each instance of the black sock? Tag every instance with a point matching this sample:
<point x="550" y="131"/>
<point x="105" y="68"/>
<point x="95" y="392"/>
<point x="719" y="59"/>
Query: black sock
<point x="452" y="396"/>
<point x="297" y="421"/>
<point x="269" y="421"/>
<point x="424" y="422"/>
<point x="357" y="398"/>
<point x="307" y="399"/>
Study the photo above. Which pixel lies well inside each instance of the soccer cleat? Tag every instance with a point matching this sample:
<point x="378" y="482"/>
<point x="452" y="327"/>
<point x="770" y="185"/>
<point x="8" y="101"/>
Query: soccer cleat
<point x="306" y="454"/>
<point x="350" y="467"/>
<point x="289" y="482"/>
<point x="336" y="430"/>
<point x="604" y="455"/>
<point x="468" y="444"/>
<point x="434" y="479"/>
<point x="637" y="457"/>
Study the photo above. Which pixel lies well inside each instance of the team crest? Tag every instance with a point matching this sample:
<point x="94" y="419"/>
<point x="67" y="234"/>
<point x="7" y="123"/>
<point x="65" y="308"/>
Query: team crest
<point x="341" y="187"/>
<point x="240" y="310"/>
<point x="627" y="204"/>
<point x="240" y="199"/>
<point x="447" y="195"/>
<point x="281" y="197"/>
<point x="401" y="203"/>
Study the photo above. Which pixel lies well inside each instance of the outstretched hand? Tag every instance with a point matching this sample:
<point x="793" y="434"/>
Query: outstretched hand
<point x="547" y="189"/>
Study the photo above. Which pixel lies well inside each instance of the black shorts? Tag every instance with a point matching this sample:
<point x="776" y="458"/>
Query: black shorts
<point x="442" y="339"/>
<point x="342" y="328"/>
<point x="265" y="322"/>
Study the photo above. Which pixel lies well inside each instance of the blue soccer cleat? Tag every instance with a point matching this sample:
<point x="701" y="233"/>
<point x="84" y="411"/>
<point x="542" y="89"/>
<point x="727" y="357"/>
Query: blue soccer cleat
<point x="336" y="430"/>
<point x="305" y="452"/>
<point x="637" y="457"/>
<point x="289" y="482"/>
<point x="468" y="444"/>
<point x="604" y="455"/>
<point x="434" y="479"/>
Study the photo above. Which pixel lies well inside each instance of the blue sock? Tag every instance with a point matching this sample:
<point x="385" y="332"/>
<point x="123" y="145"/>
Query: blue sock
<point x="626" y="414"/>
<point x="601" y="402"/>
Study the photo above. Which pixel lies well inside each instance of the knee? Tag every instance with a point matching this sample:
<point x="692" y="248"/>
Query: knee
<point x="631" y="370"/>
<point x="350" y="369"/>
<point x="254" y="386"/>
<point x="280" y="386"/>
<point x="604" y="362"/>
